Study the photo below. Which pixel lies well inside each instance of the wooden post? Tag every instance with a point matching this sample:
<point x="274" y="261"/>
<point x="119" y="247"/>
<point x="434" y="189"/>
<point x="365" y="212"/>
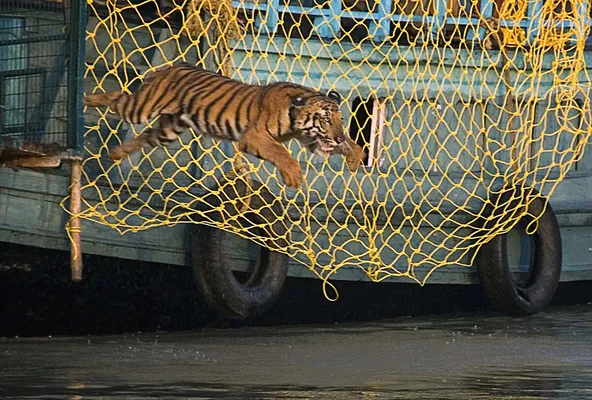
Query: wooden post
<point x="75" y="242"/>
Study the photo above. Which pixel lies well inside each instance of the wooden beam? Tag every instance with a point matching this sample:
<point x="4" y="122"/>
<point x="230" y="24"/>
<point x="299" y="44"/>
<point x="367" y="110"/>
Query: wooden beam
<point x="35" y="162"/>
<point x="74" y="223"/>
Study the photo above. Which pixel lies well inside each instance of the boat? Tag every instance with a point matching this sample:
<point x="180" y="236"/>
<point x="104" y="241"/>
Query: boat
<point x="475" y="120"/>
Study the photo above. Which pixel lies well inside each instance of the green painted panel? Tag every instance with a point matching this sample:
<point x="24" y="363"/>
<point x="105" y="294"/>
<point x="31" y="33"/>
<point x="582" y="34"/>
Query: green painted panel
<point x="29" y="204"/>
<point x="423" y="115"/>
<point x="555" y="136"/>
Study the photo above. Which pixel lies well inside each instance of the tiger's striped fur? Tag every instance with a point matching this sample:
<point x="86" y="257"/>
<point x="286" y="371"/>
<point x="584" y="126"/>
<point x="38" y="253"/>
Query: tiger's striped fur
<point x="257" y="117"/>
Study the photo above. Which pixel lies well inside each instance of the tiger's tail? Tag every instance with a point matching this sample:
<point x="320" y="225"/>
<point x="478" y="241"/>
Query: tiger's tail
<point x="117" y="102"/>
<point x="109" y="99"/>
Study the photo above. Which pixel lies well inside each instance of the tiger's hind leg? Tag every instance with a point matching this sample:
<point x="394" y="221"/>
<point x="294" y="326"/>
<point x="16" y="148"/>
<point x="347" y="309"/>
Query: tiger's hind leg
<point x="168" y="131"/>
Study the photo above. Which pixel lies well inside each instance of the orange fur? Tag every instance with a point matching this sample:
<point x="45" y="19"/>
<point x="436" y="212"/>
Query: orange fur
<point x="258" y="117"/>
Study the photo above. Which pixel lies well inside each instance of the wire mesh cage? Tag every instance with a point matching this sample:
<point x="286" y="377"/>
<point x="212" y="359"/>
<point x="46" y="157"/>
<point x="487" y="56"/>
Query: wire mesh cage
<point x="37" y="90"/>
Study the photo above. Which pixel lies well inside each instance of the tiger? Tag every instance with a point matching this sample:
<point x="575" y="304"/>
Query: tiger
<point x="258" y="117"/>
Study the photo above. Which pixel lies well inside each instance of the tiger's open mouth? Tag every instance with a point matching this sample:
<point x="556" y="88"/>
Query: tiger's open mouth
<point x="322" y="147"/>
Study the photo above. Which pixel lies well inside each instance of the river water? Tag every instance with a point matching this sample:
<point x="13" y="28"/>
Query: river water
<point x="444" y="357"/>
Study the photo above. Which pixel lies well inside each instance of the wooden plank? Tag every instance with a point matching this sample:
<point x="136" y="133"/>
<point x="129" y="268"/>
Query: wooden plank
<point x="508" y="137"/>
<point x="569" y="196"/>
<point x="460" y="136"/>
<point x="38" y="162"/>
<point x="329" y="25"/>
<point x="554" y="139"/>
<point x="417" y="126"/>
<point x="584" y="165"/>
<point x="26" y="217"/>
<point x="33" y="182"/>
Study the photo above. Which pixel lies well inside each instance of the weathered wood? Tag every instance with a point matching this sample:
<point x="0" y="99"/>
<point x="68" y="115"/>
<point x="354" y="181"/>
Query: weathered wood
<point x="33" y="162"/>
<point x="30" y="202"/>
<point x="74" y="223"/>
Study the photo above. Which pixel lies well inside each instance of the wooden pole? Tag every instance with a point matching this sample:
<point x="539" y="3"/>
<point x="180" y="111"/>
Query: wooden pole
<point x="75" y="241"/>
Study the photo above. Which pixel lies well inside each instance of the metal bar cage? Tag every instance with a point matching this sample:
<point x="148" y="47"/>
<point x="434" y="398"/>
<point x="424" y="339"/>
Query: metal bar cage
<point x="41" y="72"/>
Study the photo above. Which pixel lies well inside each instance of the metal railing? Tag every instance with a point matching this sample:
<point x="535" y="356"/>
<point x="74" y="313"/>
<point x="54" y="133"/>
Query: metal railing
<point x="41" y="73"/>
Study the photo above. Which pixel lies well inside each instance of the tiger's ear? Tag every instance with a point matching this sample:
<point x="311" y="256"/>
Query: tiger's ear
<point x="333" y="94"/>
<point x="298" y="101"/>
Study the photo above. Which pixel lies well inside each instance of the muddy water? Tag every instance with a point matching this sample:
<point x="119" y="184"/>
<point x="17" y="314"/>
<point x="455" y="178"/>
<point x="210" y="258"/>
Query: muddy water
<point x="469" y="357"/>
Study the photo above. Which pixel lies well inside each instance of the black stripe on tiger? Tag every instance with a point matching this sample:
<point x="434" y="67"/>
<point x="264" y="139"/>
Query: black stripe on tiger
<point x="213" y="122"/>
<point x="160" y="104"/>
<point x="149" y="99"/>
<point x="130" y="105"/>
<point x="188" y="89"/>
<point x="222" y="113"/>
<point x="238" y="121"/>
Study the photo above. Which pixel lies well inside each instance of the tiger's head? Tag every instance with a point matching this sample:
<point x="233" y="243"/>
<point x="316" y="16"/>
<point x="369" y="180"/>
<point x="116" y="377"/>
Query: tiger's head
<point x="317" y="119"/>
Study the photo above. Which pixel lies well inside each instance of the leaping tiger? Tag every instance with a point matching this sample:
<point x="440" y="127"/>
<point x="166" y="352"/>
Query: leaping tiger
<point x="257" y="117"/>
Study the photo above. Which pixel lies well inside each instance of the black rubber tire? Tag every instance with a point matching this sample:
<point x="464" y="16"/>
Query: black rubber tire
<point x="545" y="265"/>
<point x="213" y="270"/>
<point x="218" y="285"/>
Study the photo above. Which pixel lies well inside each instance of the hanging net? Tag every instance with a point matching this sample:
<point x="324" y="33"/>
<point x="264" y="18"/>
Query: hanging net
<point x="453" y="101"/>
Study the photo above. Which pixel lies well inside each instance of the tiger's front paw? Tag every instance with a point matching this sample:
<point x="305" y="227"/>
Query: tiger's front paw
<point x="292" y="174"/>
<point x="355" y="157"/>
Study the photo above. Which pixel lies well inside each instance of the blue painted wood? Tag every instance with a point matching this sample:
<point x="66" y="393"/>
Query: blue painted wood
<point x="269" y="23"/>
<point x="365" y="14"/>
<point x="329" y="25"/>
<point x="462" y="135"/>
<point x="508" y="23"/>
<point x="583" y="8"/>
<point x="304" y="10"/>
<point x="381" y="24"/>
<point x="327" y="22"/>
<point x="249" y="6"/>
<point x="461" y="20"/>
<point x="450" y="140"/>
<point x="535" y="8"/>
<point x="417" y="143"/>
<point x="486" y="12"/>
<point x="417" y="123"/>
<point x="411" y="18"/>
<point x="438" y="22"/>
<point x="30" y="203"/>
<point x="556" y="145"/>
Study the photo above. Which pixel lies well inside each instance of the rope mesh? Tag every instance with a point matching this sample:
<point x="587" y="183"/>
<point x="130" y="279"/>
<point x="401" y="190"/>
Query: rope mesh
<point x="454" y="101"/>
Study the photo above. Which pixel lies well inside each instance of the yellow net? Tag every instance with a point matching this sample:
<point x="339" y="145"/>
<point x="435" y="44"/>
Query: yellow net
<point x="453" y="100"/>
